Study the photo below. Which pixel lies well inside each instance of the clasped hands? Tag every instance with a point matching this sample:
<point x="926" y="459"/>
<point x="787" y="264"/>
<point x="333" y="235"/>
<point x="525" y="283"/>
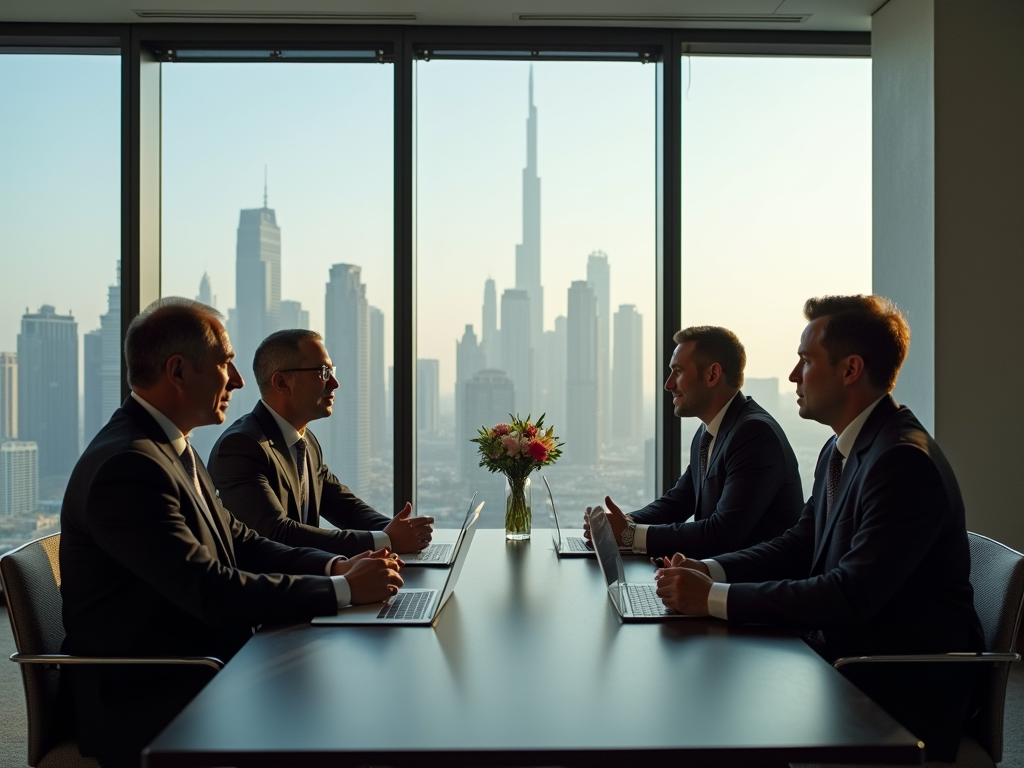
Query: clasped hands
<point x="372" y="576"/>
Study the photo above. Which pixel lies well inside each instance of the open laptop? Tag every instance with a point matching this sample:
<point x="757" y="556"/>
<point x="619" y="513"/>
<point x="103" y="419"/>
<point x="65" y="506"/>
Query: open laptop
<point x="411" y="607"/>
<point x="440" y="554"/>
<point x="565" y="546"/>
<point x="633" y="601"/>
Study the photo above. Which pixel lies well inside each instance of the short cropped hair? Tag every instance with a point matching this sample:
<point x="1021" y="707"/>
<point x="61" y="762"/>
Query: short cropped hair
<point x="278" y="351"/>
<point x="870" y="326"/>
<point x="168" y="326"/>
<point x="716" y="345"/>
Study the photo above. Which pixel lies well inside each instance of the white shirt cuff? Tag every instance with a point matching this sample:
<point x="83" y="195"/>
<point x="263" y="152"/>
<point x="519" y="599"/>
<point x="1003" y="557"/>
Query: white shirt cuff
<point x="718" y="601"/>
<point x="342" y="591"/>
<point x="381" y="540"/>
<point x="640" y="539"/>
<point x="715" y="571"/>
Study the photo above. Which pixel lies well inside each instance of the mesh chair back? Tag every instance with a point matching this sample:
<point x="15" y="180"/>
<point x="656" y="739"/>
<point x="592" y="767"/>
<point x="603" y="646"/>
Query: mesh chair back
<point x="997" y="575"/>
<point x="31" y="580"/>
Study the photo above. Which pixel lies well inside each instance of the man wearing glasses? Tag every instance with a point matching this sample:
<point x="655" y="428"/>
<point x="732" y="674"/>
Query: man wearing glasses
<point x="269" y="470"/>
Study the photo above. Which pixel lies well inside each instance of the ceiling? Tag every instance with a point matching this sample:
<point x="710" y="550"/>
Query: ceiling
<point x="790" y="15"/>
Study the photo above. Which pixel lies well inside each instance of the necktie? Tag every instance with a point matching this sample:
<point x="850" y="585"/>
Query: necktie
<point x="705" y="443"/>
<point x="300" y="461"/>
<point x="189" y="460"/>
<point x="835" y="471"/>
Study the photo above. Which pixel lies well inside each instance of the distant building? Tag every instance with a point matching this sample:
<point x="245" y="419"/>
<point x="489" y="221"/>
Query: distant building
<point x="765" y="393"/>
<point x="627" y="374"/>
<point x="582" y="404"/>
<point x="599" y="280"/>
<point x="102" y="365"/>
<point x="528" y="277"/>
<point x="8" y="396"/>
<point x="470" y="359"/>
<point x="48" y="388"/>
<point x="206" y="292"/>
<point x="490" y="397"/>
<point x="92" y="384"/>
<point x="379" y="439"/>
<point x="551" y="376"/>
<point x="293" y="315"/>
<point x="490" y="339"/>
<point x="19" y="477"/>
<point x="516" y="346"/>
<point x="428" y="395"/>
<point x="347" y="338"/>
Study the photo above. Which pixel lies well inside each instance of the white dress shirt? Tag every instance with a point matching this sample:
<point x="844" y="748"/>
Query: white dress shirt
<point x="718" y="597"/>
<point x="292" y="436"/>
<point x="640" y="535"/>
<point x="342" y="591"/>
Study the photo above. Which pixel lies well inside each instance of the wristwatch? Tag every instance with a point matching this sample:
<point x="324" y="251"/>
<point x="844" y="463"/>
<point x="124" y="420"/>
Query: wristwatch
<point x="628" y="533"/>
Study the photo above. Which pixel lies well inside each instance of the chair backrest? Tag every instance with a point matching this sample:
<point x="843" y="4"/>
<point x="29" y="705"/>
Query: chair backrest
<point x="997" y="575"/>
<point x="31" y="580"/>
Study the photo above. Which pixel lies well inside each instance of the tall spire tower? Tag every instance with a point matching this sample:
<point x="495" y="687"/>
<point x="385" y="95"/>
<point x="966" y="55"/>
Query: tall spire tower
<point x="528" y="252"/>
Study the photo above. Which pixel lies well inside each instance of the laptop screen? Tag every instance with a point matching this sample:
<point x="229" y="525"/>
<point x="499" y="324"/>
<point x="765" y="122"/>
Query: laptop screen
<point x="605" y="547"/>
<point x="556" y="532"/>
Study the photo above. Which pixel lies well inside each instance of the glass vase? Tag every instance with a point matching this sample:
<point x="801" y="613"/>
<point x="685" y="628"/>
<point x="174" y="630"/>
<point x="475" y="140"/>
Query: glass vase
<point x="518" y="508"/>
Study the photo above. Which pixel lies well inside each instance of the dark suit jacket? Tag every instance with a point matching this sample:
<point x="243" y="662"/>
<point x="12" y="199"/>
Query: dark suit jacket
<point x="751" y="492"/>
<point x="887" y="573"/>
<point x="256" y="475"/>
<point x="144" y="573"/>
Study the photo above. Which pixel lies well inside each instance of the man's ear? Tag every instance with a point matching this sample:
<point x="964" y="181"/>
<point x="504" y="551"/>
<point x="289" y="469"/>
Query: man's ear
<point x="853" y="369"/>
<point x="279" y="383"/>
<point x="713" y="374"/>
<point x="174" y="369"/>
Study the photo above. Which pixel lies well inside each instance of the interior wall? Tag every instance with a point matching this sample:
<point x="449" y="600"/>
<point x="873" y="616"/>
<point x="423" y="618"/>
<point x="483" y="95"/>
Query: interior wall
<point x="952" y="193"/>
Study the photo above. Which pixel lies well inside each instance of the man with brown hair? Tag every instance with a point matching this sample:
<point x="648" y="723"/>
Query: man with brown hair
<point x="742" y="485"/>
<point x="879" y="561"/>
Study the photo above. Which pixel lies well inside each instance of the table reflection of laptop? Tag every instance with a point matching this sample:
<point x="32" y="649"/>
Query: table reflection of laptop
<point x="440" y="554"/>
<point x="571" y="543"/>
<point x="415" y="607"/>
<point x="633" y="601"/>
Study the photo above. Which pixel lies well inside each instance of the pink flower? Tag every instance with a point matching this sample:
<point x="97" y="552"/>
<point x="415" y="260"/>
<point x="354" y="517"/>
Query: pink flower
<point x="538" y="450"/>
<point x="501" y="429"/>
<point x="512" y="446"/>
<point x="531" y="431"/>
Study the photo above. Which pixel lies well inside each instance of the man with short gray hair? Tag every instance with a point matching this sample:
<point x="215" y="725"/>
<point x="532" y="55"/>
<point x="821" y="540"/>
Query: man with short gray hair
<point x="268" y="466"/>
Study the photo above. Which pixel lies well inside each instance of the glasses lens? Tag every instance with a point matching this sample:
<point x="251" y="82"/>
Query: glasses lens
<point x="327" y="371"/>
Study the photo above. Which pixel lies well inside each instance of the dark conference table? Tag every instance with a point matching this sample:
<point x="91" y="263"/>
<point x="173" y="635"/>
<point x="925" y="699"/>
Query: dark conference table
<point x="529" y="665"/>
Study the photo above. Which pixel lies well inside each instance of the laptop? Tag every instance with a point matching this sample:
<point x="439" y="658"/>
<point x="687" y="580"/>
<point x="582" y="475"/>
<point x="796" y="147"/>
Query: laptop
<point x="633" y="601"/>
<point x="411" y="607"/>
<point x="440" y="554"/>
<point x="565" y="546"/>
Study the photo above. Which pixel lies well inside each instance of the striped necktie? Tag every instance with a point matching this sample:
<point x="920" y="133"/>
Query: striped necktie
<point x="705" y="444"/>
<point x="300" y="461"/>
<point x="835" y="472"/>
<point x="189" y="460"/>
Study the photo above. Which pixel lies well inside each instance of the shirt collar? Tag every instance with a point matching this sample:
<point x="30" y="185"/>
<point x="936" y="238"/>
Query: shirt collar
<point x="849" y="435"/>
<point x="178" y="440"/>
<point x="716" y="423"/>
<point x="288" y="432"/>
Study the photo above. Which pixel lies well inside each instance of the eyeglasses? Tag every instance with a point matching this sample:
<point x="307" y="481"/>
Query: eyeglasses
<point x="325" y="371"/>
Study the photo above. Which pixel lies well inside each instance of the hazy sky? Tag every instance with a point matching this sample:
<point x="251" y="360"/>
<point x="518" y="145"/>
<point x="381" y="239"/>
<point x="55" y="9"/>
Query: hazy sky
<point x="776" y="185"/>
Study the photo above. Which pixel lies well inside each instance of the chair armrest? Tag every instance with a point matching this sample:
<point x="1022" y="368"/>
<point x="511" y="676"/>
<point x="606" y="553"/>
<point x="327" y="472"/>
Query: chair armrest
<point x="60" y="658"/>
<point x="988" y="658"/>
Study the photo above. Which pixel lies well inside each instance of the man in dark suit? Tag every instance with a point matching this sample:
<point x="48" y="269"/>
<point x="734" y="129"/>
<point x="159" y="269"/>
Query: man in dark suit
<point x="151" y="562"/>
<point x="269" y="468"/>
<point x="742" y="485"/>
<point x="878" y="562"/>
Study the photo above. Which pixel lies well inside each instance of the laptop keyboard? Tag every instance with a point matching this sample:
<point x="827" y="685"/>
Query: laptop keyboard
<point x="644" y="600"/>
<point x="435" y="553"/>
<point x="408" y="605"/>
<point x="575" y="544"/>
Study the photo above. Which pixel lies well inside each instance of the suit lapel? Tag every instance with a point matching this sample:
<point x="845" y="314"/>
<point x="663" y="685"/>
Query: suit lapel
<point x="282" y="456"/>
<point x="739" y="402"/>
<point x="316" y="463"/>
<point x="698" y="480"/>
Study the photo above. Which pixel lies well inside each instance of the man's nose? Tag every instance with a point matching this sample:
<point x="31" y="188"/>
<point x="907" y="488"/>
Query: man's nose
<point x="234" y="378"/>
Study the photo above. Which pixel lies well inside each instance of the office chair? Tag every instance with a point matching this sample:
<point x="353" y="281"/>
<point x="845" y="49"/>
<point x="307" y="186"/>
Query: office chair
<point x="997" y="575"/>
<point x="30" y="576"/>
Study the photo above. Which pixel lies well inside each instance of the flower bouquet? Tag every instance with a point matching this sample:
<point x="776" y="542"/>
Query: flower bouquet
<point x="516" y="449"/>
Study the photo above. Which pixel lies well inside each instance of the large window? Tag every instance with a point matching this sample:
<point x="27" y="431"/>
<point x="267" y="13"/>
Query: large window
<point x="277" y="197"/>
<point x="536" y="274"/>
<point x="776" y="208"/>
<point x="60" y="305"/>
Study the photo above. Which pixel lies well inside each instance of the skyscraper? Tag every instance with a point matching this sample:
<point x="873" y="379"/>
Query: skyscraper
<point x="582" y="406"/>
<point x="378" y="394"/>
<point x="490" y="397"/>
<point x="8" y="396"/>
<point x="528" y="252"/>
<point x="293" y="315"/>
<point x="206" y="292"/>
<point x="516" y="345"/>
<point x="102" y="362"/>
<point x="92" y="384"/>
<point x="347" y="338"/>
<point x="551" y="376"/>
<point x="489" y="329"/>
<point x="19" y="477"/>
<point x="48" y="389"/>
<point x="470" y="359"/>
<point x="599" y="278"/>
<point x="257" y="290"/>
<point x="428" y="395"/>
<point x="627" y="374"/>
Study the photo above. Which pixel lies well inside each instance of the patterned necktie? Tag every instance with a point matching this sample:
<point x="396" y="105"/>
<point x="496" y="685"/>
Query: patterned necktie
<point x="705" y="443"/>
<point x="300" y="461"/>
<point x="189" y="460"/>
<point x="835" y="471"/>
